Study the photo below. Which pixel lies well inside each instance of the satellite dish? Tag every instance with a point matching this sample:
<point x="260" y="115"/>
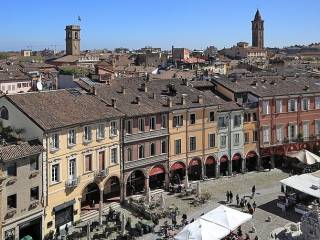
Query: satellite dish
<point x="39" y="86"/>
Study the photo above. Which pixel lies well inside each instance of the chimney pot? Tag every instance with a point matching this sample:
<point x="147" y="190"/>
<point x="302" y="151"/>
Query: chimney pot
<point x="169" y="102"/>
<point x="144" y="87"/>
<point x="123" y="90"/>
<point x="183" y="99"/>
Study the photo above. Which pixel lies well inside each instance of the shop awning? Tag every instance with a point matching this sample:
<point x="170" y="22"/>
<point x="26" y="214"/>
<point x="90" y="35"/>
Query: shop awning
<point x="177" y="166"/>
<point x="64" y="205"/>
<point x="210" y="161"/>
<point x="251" y="155"/>
<point x="224" y="159"/>
<point x="236" y="157"/>
<point x="194" y="162"/>
<point x="156" y="170"/>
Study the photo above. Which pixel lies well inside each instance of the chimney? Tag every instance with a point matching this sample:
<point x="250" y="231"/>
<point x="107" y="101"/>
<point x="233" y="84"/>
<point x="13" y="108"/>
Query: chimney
<point x="169" y="102"/>
<point x="144" y="87"/>
<point x="113" y="102"/>
<point x="138" y="100"/>
<point x="200" y="99"/>
<point x="183" y="99"/>
<point x="123" y="90"/>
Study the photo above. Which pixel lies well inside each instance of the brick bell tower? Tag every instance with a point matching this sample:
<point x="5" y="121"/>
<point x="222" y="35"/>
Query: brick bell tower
<point x="73" y="40"/>
<point x="258" y="31"/>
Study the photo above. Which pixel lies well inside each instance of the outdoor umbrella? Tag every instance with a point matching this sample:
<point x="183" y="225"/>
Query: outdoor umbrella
<point x="227" y="217"/>
<point x="305" y="157"/>
<point x="202" y="230"/>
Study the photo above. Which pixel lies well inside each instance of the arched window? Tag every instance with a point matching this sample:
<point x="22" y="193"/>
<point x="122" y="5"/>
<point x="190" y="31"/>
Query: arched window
<point x="141" y="151"/>
<point x="4" y="114"/>
<point x="152" y="149"/>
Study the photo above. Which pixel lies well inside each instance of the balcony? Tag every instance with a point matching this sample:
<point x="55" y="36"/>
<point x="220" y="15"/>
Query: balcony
<point x="145" y="161"/>
<point x="72" y="183"/>
<point x="145" y="135"/>
<point x="11" y="180"/>
<point x="101" y="174"/>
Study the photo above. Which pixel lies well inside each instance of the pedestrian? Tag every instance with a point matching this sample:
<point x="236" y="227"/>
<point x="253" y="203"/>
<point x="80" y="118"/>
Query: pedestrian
<point x="256" y="238"/>
<point x="192" y="220"/>
<point x="174" y="220"/>
<point x="239" y="231"/>
<point x="66" y="229"/>
<point x="231" y="197"/>
<point x="246" y="237"/>
<point x="282" y="188"/>
<point x="237" y="199"/>
<point x="228" y="196"/>
<point x="254" y="205"/>
<point x="253" y="190"/>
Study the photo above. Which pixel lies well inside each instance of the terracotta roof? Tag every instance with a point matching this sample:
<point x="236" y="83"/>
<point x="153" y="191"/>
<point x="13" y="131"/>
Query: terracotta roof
<point x="56" y="109"/>
<point x="22" y="150"/>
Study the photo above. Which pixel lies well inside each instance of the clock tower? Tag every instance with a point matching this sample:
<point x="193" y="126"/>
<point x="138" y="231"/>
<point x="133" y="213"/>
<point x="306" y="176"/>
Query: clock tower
<point x="73" y="40"/>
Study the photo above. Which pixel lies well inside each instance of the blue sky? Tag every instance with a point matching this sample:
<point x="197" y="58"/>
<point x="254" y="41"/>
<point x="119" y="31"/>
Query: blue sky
<point x="136" y="23"/>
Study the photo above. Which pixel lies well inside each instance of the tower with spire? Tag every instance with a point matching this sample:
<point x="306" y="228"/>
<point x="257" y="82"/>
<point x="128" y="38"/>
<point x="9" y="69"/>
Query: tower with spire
<point x="257" y="31"/>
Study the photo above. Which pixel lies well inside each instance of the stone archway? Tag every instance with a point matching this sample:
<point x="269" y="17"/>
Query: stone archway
<point x="177" y="172"/>
<point x="224" y="164"/>
<point x="237" y="163"/>
<point x="210" y="167"/>
<point x="111" y="191"/>
<point x="195" y="169"/>
<point x="252" y="161"/>
<point x="135" y="183"/>
<point x="90" y="196"/>
<point x="157" y="177"/>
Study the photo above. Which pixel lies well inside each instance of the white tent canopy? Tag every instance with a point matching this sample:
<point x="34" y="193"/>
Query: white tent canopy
<point x="216" y="224"/>
<point x="306" y="183"/>
<point x="202" y="230"/>
<point x="305" y="157"/>
<point x="227" y="217"/>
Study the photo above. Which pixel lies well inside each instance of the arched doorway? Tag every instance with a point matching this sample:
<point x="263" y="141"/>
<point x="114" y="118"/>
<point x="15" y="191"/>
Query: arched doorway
<point x="210" y="167"/>
<point x="195" y="169"/>
<point x="90" y="196"/>
<point x="111" y="191"/>
<point x="135" y="183"/>
<point x="156" y="177"/>
<point x="237" y="163"/>
<point x="177" y="172"/>
<point x="224" y="165"/>
<point x="251" y="161"/>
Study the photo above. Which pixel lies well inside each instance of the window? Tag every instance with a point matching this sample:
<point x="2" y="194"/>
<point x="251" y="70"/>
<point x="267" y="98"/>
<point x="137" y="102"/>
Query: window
<point x="278" y="106"/>
<point x="317" y="102"/>
<point x="279" y="133"/>
<point x="223" y="141"/>
<point x="246" y="137"/>
<point x="193" y="144"/>
<point x="34" y="193"/>
<point x="236" y="139"/>
<point x="317" y="122"/>
<point x="266" y="137"/>
<point x="129" y="154"/>
<point x="12" y="170"/>
<point x="76" y="35"/>
<point x="141" y="124"/>
<point x="141" y="151"/>
<point x="305" y="104"/>
<point x="152" y="149"/>
<point x="88" y="163"/>
<point x="222" y="122"/>
<point x="72" y="169"/>
<point x="113" y="128"/>
<point x="163" y="146"/>
<point x="305" y="130"/>
<point x="292" y="131"/>
<point x="292" y="105"/>
<point x="177" y="121"/>
<point x="87" y="133"/>
<point x="34" y="164"/>
<point x="211" y="116"/>
<point x="101" y="160"/>
<point x="164" y="121"/>
<point x="12" y="201"/>
<point x="55" y="173"/>
<point x="152" y="123"/>
<point x="4" y="114"/>
<point x="212" y="140"/>
<point x="247" y="117"/>
<point x="255" y="136"/>
<point x="100" y="131"/>
<point x="55" y="141"/>
<point x="254" y="117"/>
<point x="177" y="149"/>
<point x="129" y="126"/>
<point x="71" y="137"/>
<point x="265" y="107"/>
<point x="237" y="121"/>
<point x="192" y="117"/>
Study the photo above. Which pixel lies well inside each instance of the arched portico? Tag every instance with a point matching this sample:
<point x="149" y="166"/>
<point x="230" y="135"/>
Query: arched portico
<point x="177" y="172"/>
<point x="224" y="164"/>
<point x="111" y="190"/>
<point x="135" y="183"/>
<point x="90" y="196"/>
<point x="157" y="175"/>
<point x="251" y="161"/>
<point x="237" y="163"/>
<point x="210" y="166"/>
<point x="195" y="169"/>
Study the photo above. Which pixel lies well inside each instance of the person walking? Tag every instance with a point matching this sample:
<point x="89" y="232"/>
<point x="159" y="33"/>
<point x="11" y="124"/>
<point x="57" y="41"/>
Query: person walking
<point x="237" y="199"/>
<point x="228" y="196"/>
<point x="253" y="190"/>
<point x="231" y="197"/>
<point x="254" y="205"/>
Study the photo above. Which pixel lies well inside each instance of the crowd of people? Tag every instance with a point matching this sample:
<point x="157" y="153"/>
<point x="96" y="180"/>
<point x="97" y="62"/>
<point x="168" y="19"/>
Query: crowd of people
<point x="243" y="202"/>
